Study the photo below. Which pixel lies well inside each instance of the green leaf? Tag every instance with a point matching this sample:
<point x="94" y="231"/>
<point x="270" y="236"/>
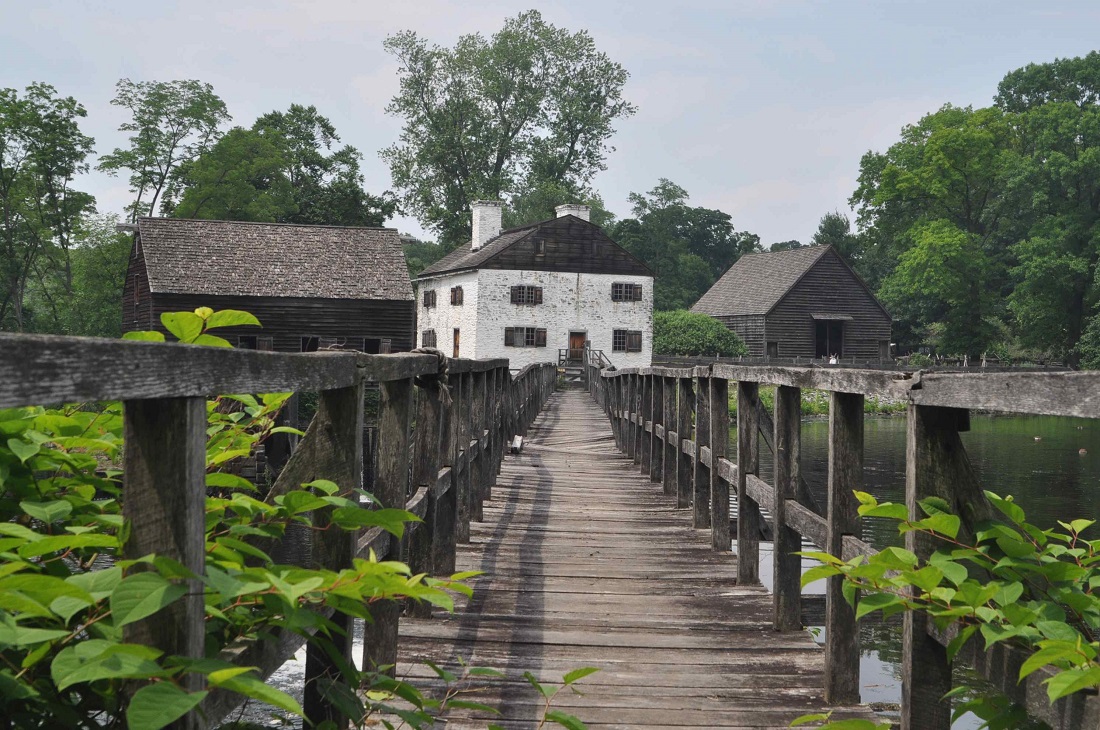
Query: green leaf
<point x="565" y="720"/>
<point x="211" y="341"/>
<point x="819" y="572"/>
<point x="578" y="674"/>
<point x="145" y="336"/>
<point x="875" y="602"/>
<point x="231" y="318"/>
<point x="485" y="672"/>
<point x="959" y="641"/>
<point x="477" y="706"/>
<point x="298" y="502"/>
<point x="886" y="509"/>
<point x="229" y="481"/>
<point x="22" y="449"/>
<point x="186" y="326"/>
<point x="545" y="691"/>
<point x="391" y="520"/>
<point x="48" y="512"/>
<point x="816" y="717"/>
<point x="251" y="686"/>
<point x="1045" y="656"/>
<point x="141" y="595"/>
<point x="1072" y="680"/>
<point x="96" y="659"/>
<point x="159" y="704"/>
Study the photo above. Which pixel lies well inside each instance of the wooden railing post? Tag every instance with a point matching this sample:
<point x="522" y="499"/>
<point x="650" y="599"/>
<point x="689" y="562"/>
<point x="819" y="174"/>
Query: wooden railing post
<point x="645" y="410"/>
<point x="719" y="448"/>
<point x="341" y="413"/>
<point x="164" y="502"/>
<point x="845" y="477"/>
<point x="787" y="593"/>
<point x="390" y="487"/>
<point x="446" y="530"/>
<point x="463" y="410"/>
<point x="925" y="671"/>
<point x="700" y="500"/>
<point x="478" y="472"/>
<point x="684" y="466"/>
<point x="423" y="544"/>
<point x="630" y="434"/>
<point x="749" y="518"/>
<point x="656" y="416"/>
<point x="668" y="446"/>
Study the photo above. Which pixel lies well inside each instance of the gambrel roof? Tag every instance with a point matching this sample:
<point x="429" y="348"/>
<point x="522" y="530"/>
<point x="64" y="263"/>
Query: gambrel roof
<point x="206" y="257"/>
<point x="570" y="244"/>
<point x="759" y="281"/>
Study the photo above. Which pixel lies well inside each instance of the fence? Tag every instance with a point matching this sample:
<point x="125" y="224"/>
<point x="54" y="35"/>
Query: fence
<point x="674" y="423"/>
<point x="441" y="470"/>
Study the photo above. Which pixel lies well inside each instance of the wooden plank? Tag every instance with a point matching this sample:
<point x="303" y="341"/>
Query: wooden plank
<point x="719" y="446"/>
<point x="888" y="384"/>
<point x="432" y="539"/>
<point x="787" y="566"/>
<point x="926" y="673"/>
<point x="164" y="502"/>
<point x="671" y="440"/>
<point x="657" y="416"/>
<point x="845" y="469"/>
<point x="391" y="485"/>
<point x="700" y="498"/>
<point x="749" y="518"/>
<point x="340" y="413"/>
<point x="1053" y="394"/>
<point x="685" y="466"/>
<point x="45" y="369"/>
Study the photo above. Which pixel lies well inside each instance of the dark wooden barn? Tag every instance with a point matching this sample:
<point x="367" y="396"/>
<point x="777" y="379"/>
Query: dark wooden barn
<point x="805" y="303"/>
<point x="312" y="287"/>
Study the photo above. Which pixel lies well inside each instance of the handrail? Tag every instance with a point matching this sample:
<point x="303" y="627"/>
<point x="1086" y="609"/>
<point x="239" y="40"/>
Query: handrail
<point x="441" y="471"/>
<point x="670" y="421"/>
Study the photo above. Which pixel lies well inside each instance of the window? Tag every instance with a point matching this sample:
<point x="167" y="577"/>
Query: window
<point x="429" y="299"/>
<point x="540" y="248"/>
<point x="311" y="344"/>
<point x="523" y="294"/>
<point x="773" y="349"/>
<point x="626" y="341"/>
<point x="622" y="292"/>
<point x="456" y="295"/>
<point x="524" y="337"/>
<point x="427" y="338"/>
<point x="247" y="342"/>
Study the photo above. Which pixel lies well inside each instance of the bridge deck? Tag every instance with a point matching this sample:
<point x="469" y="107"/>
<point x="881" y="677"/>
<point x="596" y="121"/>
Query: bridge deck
<point x="588" y="564"/>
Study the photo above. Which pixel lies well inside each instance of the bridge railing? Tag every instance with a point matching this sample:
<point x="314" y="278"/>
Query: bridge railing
<point x="439" y="450"/>
<point x="674" y="423"/>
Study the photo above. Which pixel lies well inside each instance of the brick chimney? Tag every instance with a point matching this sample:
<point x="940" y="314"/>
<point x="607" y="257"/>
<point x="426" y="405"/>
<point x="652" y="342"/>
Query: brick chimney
<point x="581" y="211"/>
<point x="486" y="221"/>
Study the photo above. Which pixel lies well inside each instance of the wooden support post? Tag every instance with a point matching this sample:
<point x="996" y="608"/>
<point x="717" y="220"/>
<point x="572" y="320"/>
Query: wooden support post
<point x="340" y="413"/>
<point x="423" y="545"/>
<point x="668" y="446"/>
<point x="645" y="412"/>
<point x="749" y="518"/>
<point x="685" y="468"/>
<point x="719" y="447"/>
<point x="700" y="500"/>
<point x="845" y="477"/>
<point x="446" y="528"/>
<point x="929" y="470"/>
<point x="462" y="456"/>
<point x="657" y="416"/>
<point x="164" y="502"/>
<point x="478" y="472"/>
<point x="787" y="574"/>
<point x="628" y="411"/>
<point x="390" y="488"/>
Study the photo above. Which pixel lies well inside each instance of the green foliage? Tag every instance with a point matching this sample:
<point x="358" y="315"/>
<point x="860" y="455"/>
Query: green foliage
<point x="1011" y="582"/>
<point x="491" y="118"/>
<point x="419" y="255"/>
<point x="688" y="248"/>
<point x="686" y="333"/>
<point x="172" y="123"/>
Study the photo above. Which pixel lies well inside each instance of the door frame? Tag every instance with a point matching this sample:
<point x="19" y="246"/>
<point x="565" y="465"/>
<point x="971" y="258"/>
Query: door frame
<point x="569" y="343"/>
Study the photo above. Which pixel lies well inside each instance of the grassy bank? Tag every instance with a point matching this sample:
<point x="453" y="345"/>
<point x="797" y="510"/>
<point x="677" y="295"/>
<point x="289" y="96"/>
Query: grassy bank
<point x="816" y="403"/>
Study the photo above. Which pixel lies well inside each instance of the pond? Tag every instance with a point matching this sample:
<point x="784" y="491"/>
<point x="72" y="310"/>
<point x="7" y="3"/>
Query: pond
<point x="1051" y="466"/>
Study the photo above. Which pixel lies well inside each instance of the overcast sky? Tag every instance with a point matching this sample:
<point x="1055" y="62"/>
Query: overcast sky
<point x="761" y="109"/>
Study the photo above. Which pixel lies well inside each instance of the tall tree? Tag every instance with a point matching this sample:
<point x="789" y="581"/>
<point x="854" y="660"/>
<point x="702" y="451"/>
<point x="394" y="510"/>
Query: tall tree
<point x="493" y="118"/>
<point x="325" y="178"/>
<point x="172" y="123"/>
<point x="836" y="230"/>
<point x="687" y="247"/>
<point x="41" y="151"/>
<point x="786" y="245"/>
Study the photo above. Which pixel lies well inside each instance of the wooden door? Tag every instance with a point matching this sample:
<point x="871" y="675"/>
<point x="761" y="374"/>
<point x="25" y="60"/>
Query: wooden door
<point x="455" y="343"/>
<point x="576" y="345"/>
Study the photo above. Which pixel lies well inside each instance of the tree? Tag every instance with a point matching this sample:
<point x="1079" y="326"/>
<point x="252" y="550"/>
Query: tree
<point x="241" y="178"/>
<point x="172" y="123"/>
<point x="100" y="259"/>
<point x="41" y="151"/>
<point x="688" y="248"/>
<point x="685" y="333"/>
<point x="539" y="204"/>
<point x="326" y="183"/>
<point x="786" y="245"/>
<point x="836" y="230"/>
<point x="419" y="255"/>
<point x="492" y="118"/>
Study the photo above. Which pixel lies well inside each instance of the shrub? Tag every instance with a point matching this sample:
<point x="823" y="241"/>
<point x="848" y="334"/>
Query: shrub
<point x="685" y="333"/>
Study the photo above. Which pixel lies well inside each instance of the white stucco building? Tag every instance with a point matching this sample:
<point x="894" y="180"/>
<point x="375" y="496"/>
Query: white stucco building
<point x="528" y="292"/>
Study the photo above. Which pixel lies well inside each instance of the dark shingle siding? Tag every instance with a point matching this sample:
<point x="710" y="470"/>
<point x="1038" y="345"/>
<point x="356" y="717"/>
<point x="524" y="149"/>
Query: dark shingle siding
<point x="273" y="260"/>
<point x="758" y="281"/>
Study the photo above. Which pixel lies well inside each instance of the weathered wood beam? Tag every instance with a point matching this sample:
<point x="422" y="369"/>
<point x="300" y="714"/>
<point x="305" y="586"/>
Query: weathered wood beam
<point x="719" y="447"/>
<point x="749" y="518"/>
<point x="787" y="573"/>
<point x="1053" y="394"/>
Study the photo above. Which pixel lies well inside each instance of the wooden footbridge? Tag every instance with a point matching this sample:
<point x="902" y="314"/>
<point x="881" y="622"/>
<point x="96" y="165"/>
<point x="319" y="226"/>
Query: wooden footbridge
<point x="605" y="542"/>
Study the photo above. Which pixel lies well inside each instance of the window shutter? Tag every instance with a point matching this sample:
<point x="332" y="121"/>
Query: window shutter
<point x="507" y="336"/>
<point x="634" y="342"/>
<point x="265" y="343"/>
<point x="540" y="336"/>
<point x="538" y="295"/>
<point x="637" y="292"/>
<point x="515" y="294"/>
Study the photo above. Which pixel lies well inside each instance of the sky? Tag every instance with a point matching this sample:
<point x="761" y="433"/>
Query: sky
<point x="760" y="109"/>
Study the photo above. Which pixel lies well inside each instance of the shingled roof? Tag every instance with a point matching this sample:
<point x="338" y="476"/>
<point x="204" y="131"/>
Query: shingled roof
<point x="465" y="258"/>
<point x="273" y="260"/>
<point x="758" y="281"/>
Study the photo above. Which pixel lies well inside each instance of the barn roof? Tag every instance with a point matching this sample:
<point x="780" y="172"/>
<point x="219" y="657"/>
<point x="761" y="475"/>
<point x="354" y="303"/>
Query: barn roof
<point x="758" y="281"/>
<point x="465" y="258"/>
<point x="273" y="259"/>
